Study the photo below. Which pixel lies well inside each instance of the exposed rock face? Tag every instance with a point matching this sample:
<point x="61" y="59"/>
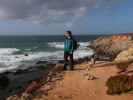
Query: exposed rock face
<point x="32" y="87"/>
<point x="112" y="45"/>
<point x="124" y="59"/>
<point x="125" y="56"/>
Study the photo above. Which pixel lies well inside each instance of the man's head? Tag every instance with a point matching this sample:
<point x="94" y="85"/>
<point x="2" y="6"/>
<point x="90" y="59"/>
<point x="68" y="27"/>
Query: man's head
<point x="68" y="34"/>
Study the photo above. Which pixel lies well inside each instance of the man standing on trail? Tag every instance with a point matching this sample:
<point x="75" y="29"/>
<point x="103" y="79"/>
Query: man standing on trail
<point x="70" y="45"/>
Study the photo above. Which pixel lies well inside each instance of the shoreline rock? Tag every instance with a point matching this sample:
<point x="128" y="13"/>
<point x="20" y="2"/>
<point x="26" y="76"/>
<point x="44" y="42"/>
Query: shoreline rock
<point x="35" y="84"/>
<point x="111" y="46"/>
<point x="15" y="82"/>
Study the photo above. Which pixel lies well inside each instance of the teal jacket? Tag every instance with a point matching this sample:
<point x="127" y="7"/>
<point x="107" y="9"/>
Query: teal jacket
<point x="68" y="45"/>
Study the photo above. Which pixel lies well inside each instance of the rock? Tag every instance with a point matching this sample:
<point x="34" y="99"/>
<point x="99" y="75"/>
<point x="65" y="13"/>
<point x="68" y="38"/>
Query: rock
<point x="41" y="62"/>
<point x="45" y="88"/>
<point x="125" y="56"/>
<point x="61" y="61"/>
<point x="91" y="77"/>
<point x="15" y="97"/>
<point x="26" y="54"/>
<point x="32" y="87"/>
<point x="19" y="71"/>
<point x="4" y="82"/>
<point x="112" y="45"/>
<point x="124" y="59"/>
<point x="119" y="84"/>
<point x="59" y="67"/>
<point x="25" y="96"/>
<point x="131" y="81"/>
<point x="81" y="60"/>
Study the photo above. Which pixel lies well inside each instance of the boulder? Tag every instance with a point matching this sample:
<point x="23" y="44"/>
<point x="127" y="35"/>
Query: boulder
<point x="112" y="45"/>
<point x="32" y="87"/>
<point x="4" y="82"/>
<point x="14" y="97"/>
<point x="124" y="58"/>
<point x="126" y="55"/>
<point x="58" y="67"/>
<point x="26" y="54"/>
<point x="119" y="84"/>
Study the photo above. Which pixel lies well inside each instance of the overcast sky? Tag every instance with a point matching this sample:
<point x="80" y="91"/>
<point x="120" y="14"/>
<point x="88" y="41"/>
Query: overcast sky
<point x="35" y="17"/>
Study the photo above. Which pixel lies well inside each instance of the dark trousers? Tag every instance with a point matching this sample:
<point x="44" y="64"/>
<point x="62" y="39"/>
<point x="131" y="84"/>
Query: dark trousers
<point x="68" y="58"/>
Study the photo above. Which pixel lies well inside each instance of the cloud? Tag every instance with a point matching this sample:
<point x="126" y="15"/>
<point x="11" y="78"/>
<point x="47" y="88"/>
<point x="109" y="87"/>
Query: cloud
<point x="49" y="11"/>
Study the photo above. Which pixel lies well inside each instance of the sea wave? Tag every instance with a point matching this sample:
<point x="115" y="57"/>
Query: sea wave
<point x="60" y="45"/>
<point x="10" y="61"/>
<point x="4" y="51"/>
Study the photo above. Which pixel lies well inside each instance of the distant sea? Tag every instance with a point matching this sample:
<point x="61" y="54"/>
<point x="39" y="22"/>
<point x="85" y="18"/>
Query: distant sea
<point x="18" y="50"/>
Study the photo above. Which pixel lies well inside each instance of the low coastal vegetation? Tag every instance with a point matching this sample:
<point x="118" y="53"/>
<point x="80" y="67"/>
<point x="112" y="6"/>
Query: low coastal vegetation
<point x="119" y="84"/>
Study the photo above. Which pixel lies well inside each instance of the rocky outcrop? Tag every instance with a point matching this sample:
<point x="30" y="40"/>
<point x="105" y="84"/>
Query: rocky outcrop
<point x="4" y="82"/>
<point x="126" y="55"/>
<point x="112" y="45"/>
<point x="124" y="59"/>
<point x="119" y="84"/>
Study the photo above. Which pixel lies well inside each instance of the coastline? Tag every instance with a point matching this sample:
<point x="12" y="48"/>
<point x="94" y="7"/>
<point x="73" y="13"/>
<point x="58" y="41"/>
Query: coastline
<point x="74" y="85"/>
<point x="17" y="81"/>
<point x="86" y="81"/>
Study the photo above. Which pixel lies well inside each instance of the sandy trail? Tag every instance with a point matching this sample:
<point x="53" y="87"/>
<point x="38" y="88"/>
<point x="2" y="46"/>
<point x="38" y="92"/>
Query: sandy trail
<point x="76" y="86"/>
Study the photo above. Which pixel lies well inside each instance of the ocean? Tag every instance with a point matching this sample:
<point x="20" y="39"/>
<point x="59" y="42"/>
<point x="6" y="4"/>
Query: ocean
<point x="16" y="51"/>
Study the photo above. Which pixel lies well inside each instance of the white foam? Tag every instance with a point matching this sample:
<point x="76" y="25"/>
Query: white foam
<point x="4" y="51"/>
<point x="58" y="45"/>
<point x="9" y="68"/>
<point x="10" y="62"/>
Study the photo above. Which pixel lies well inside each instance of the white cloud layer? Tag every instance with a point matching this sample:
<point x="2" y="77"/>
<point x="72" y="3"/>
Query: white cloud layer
<point x="49" y="11"/>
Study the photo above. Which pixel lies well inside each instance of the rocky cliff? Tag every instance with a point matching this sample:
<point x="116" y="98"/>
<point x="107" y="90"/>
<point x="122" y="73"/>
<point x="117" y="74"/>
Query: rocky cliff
<point x="111" y="46"/>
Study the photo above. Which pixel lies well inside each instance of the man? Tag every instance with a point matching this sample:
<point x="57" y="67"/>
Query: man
<point x="69" y="46"/>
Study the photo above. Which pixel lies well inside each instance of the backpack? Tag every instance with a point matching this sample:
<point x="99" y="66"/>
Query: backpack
<point x="75" y="44"/>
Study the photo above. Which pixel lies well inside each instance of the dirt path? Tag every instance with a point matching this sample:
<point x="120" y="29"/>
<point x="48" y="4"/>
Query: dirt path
<point x="76" y="86"/>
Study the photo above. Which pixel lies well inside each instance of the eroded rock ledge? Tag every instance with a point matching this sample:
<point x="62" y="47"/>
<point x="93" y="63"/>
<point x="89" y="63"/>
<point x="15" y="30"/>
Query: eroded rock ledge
<point x="111" y="46"/>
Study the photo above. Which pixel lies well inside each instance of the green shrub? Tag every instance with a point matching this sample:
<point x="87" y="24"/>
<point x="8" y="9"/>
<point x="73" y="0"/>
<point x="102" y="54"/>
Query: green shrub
<point x="119" y="84"/>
